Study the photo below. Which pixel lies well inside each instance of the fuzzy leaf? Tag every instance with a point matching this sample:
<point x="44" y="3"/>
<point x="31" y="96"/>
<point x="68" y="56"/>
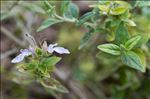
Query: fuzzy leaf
<point x="131" y="59"/>
<point x="110" y="48"/>
<point x="47" y="23"/>
<point x="54" y="85"/>
<point x="132" y="42"/>
<point x="129" y="22"/>
<point x="74" y="10"/>
<point x="121" y="35"/>
<point x="118" y="10"/>
<point x="85" y="18"/>
<point x="51" y="61"/>
<point x="64" y="6"/>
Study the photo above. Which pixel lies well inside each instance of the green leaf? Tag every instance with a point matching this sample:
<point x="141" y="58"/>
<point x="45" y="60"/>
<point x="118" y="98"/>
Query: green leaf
<point x="47" y="4"/>
<point x="110" y="48"/>
<point x="86" y="38"/>
<point x="129" y="22"/>
<point x="64" y="6"/>
<point x="74" y="10"/>
<point x="144" y="39"/>
<point x="132" y="42"/>
<point x="47" y="23"/>
<point x="85" y="18"/>
<point x="118" y="10"/>
<point x="38" y="51"/>
<point x="51" y="61"/>
<point x="121" y="35"/>
<point x="54" y="85"/>
<point x="50" y="8"/>
<point x="131" y="59"/>
<point x="22" y="77"/>
<point x="110" y="36"/>
<point x="141" y="54"/>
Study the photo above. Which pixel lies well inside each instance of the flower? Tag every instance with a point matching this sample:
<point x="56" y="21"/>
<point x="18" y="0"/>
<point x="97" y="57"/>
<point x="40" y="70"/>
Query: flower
<point x="53" y="47"/>
<point x="31" y="51"/>
<point x="20" y="57"/>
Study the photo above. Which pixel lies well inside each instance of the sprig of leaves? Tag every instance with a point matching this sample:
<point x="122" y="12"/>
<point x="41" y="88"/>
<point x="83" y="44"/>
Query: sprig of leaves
<point x="126" y="52"/>
<point x="115" y="26"/>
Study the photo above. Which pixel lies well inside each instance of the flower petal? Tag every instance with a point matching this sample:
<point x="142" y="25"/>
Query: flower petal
<point x="32" y="49"/>
<point x="61" y="50"/>
<point x="18" y="58"/>
<point x="25" y="52"/>
<point x="44" y="46"/>
<point x="51" y="47"/>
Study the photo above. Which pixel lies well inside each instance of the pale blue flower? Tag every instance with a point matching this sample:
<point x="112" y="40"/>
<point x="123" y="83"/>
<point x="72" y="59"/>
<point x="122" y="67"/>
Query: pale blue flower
<point x="53" y="48"/>
<point x="31" y="51"/>
<point x="20" y="57"/>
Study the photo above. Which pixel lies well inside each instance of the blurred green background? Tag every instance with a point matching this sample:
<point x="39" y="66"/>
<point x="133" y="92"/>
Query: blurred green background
<point x="87" y="73"/>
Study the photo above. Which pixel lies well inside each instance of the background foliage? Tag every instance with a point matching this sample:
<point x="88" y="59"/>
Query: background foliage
<point x="109" y="44"/>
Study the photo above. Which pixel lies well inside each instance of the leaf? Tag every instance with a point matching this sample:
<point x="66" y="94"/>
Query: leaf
<point x="110" y="48"/>
<point x="110" y="36"/>
<point x="86" y="38"/>
<point x="140" y="53"/>
<point x="118" y="10"/>
<point x="132" y="60"/>
<point x="47" y="23"/>
<point x="132" y="42"/>
<point x="22" y="77"/>
<point x="129" y="22"/>
<point x="104" y="9"/>
<point x="144" y="39"/>
<point x="51" y="61"/>
<point x="47" y="4"/>
<point x="38" y="52"/>
<point x="64" y="6"/>
<point x="121" y="35"/>
<point x="85" y="18"/>
<point x="54" y="85"/>
<point x="74" y="10"/>
<point x="50" y="8"/>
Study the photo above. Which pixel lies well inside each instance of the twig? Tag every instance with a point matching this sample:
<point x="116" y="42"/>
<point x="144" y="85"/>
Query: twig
<point x="10" y="35"/>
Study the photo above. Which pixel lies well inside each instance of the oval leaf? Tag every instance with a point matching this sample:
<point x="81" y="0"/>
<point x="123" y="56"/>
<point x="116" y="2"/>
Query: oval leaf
<point x="131" y="59"/>
<point x="47" y="23"/>
<point x="51" y="61"/>
<point x="54" y="85"/>
<point x="110" y="48"/>
<point x="132" y="42"/>
<point x="118" y="10"/>
<point x="74" y="10"/>
<point x="129" y="22"/>
<point x="121" y="35"/>
<point x="85" y="17"/>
